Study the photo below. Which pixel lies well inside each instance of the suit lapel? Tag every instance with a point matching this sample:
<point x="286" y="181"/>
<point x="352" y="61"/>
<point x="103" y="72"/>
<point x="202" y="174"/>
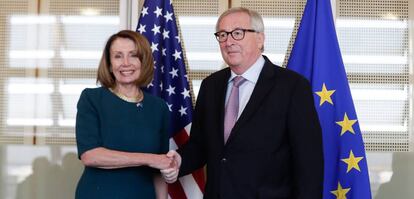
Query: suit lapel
<point x="221" y="87"/>
<point x="263" y="86"/>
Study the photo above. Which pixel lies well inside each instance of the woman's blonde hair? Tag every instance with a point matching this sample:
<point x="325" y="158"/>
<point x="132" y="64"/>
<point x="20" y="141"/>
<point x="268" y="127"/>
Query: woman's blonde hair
<point x="105" y="76"/>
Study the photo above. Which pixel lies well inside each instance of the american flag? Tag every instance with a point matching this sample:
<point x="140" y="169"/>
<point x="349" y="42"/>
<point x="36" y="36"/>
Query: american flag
<point x="157" y="23"/>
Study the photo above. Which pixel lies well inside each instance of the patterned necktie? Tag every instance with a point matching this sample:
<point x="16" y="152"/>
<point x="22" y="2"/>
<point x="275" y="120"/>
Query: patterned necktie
<point x="232" y="107"/>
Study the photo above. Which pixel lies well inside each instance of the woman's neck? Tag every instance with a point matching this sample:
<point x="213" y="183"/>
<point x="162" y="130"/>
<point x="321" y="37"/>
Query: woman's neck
<point x="130" y="91"/>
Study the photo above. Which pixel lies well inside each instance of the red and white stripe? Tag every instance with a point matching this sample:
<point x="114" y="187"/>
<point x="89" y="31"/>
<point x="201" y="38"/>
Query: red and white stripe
<point x="189" y="186"/>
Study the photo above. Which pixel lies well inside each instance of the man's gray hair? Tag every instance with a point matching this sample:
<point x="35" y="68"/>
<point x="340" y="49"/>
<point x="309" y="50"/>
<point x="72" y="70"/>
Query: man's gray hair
<point x="255" y="19"/>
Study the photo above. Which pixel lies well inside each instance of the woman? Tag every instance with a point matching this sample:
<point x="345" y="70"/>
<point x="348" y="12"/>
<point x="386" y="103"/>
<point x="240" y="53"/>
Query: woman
<point x="121" y="131"/>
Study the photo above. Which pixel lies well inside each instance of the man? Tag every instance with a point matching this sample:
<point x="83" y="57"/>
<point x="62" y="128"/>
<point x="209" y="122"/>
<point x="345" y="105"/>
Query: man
<point x="260" y="138"/>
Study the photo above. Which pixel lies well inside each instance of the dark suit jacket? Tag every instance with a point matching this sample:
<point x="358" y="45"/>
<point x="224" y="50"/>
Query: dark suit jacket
<point x="275" y="148"/>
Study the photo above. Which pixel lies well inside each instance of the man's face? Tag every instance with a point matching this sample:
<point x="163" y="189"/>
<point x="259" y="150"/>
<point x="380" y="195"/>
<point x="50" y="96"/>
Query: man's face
<point x="240" y="55"/>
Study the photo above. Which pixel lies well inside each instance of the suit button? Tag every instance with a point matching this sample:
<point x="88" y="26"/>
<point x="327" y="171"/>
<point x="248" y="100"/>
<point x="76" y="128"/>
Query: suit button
<point x="223" y="160"/>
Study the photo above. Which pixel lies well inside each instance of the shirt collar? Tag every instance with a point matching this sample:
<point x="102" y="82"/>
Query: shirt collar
<point x="251" y="74"/>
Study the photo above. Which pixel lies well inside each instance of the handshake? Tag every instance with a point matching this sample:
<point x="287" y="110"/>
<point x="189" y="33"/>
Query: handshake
<point x="170" y="166"/>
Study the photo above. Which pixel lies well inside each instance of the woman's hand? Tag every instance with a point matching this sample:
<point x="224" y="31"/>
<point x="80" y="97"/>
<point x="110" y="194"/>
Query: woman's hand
<point x="170" y="174"/>
<point x="161" y="161"/>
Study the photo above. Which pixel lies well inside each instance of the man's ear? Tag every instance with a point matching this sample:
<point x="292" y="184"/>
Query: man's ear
<point x="260" y="40"/>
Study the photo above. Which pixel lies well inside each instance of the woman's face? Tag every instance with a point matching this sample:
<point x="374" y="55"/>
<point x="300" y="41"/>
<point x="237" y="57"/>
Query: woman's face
<point x="125" y="63"/>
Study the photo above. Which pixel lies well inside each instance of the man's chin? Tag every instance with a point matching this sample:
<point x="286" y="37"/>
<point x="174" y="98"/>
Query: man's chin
<point x="232" y="61"/>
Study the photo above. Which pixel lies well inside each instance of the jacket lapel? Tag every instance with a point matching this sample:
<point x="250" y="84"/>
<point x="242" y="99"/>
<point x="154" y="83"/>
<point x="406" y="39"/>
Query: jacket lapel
<point x="221" y="87"/>
<point x="263" y="86"/>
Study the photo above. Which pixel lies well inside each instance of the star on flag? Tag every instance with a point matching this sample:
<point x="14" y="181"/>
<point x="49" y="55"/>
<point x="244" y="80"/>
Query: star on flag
<point x="346" y="125"/>
<point x="325" y="95"/>
<point x="340" y="192"/>
<point x="352" y="162"/>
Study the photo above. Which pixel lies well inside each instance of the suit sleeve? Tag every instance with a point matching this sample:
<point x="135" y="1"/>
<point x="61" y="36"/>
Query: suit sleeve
<point x="193" y="153"/>
<point x="305" y="135"/>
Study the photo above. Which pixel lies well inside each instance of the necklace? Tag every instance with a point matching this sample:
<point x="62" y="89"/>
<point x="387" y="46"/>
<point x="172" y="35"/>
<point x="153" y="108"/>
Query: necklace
<point x="135" y="99"/>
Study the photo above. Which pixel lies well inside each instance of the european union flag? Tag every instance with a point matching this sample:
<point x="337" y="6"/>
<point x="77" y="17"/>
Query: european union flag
<point x="158" y="24"/>
<point x="316" y="55"/>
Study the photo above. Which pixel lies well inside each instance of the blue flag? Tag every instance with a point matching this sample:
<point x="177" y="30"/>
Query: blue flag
<point x="316" y="55"/>
<point x="157" y="23"/>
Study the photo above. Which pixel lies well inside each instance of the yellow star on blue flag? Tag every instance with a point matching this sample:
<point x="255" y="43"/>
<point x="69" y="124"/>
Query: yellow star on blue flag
<point x="325" y="95"/>
<point x="340" y="192"/>
<point x="352" y="162"/>
<point x="346" y="125"/>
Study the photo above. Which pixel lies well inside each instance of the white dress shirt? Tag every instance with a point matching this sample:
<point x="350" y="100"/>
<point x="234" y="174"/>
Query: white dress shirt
<point x="246" y="89"/>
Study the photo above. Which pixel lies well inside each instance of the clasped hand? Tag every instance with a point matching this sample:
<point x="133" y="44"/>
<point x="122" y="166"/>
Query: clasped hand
<point x="170" y="174"/>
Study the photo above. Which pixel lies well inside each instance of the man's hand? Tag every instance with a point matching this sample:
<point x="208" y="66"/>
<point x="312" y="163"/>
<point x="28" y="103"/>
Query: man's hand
<point x="170" y="174"/>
